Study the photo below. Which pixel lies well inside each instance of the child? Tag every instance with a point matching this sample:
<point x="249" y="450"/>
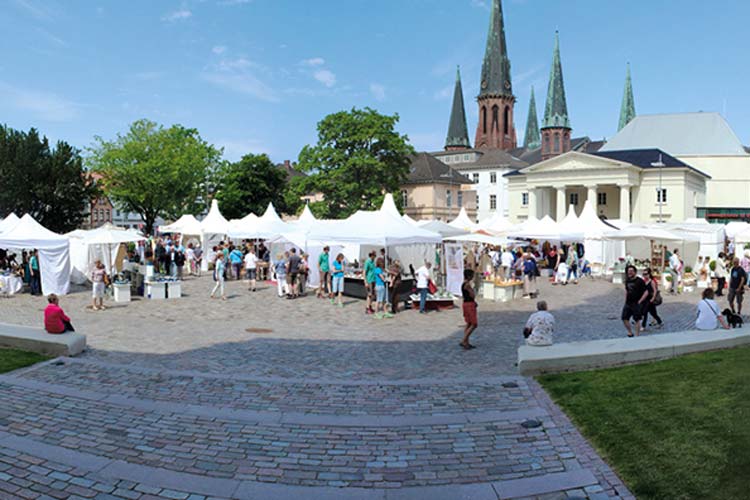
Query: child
<point x="470" y="307"/>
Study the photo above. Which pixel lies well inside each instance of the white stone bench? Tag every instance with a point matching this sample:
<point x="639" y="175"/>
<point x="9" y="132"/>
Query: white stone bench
<point x="38" y="340"/>
<point x="578" y="356"/>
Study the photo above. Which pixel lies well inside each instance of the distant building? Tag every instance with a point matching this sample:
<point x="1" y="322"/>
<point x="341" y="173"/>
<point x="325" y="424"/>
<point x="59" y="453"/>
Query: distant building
<point x="99" y="211"/>
<point x="436" y="191"/>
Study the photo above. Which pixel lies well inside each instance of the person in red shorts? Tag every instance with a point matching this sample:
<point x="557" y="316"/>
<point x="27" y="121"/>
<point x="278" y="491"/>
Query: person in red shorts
<point x="55" y="320"/>
<point x="470" y="307"/>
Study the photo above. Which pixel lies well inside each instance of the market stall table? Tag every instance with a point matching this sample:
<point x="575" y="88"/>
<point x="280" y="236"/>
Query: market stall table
<point x="433" y="303"/>
<point x="174" y="289"/>
<point x="121" y="292"/>
<point x="355" y="287"/>
<point x="502" y="292"/>
<point x="10" y="284"/>
<point x="156" y="290"/>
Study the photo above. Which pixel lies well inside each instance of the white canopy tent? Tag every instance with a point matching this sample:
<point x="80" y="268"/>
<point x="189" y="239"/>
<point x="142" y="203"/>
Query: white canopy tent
<point x="497" y="224"/>
<point x="599" y="251"/>
<point x="186" y="225"/>
<point x="307" y="216"/>
<point x="732" y="229"/>
<point x="54" y="252"/>
<point x="638" y="239"/>
<point x="442" y="228"/>
<point x="547" y="229"/>
<point x="711" y="236"/>
<point x="102" y="243"/>
<point x="267" y="226"/>
<point x="462" y="221"/>
<point x="482" y="238"/>
<point x="410" y="220"/>
<point x="9" y="222"/>
<point x="213" y="228"/>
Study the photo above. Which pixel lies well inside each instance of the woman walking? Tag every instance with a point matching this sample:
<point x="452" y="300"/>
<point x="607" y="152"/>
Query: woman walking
<point x="98" y="278"/>
<point x="219" y="268"/>
<point x="338" y="280"/>
<point x="469" y="308"/>
<point x="652" y="301"/>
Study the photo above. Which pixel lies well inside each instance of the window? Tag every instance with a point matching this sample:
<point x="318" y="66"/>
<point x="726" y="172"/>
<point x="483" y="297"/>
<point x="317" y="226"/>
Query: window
<point x="447" y="159"/>
<point x="460" y="198"/>
<point x="466" y="157"/>
<point x="495" y="117"/>
<point x="475" y="177"/>
<point x="574" y="199"/>
<point x="94" y="213"/>
<point x="404" y="199"/>
<point x="525" y="199"/>
<point x="493" y="178"/>
<point x="557" y="143"/>
<point x="493" y="202"/>
<point x="546" y="143"/>
<point x="484" y="119"/>
<point x="449" y="198"/>
<point x="601" y="198"/>
<point x="109" y="215"/>
<point x="477" y="201"/>
<point x="506" y="120"/>
<point x="661" y="195"/>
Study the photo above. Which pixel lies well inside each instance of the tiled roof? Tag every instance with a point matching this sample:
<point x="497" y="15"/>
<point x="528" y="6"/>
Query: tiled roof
<point x="426" y="169"/>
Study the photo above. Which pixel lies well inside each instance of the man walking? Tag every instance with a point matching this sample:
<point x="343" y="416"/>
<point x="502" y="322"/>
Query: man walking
<point x="369" y="277"/>
<point x="675" y="266"/>
<point x="324" y="271"/>
<point x="636" y="294"/>
<point x="737" y="281"/>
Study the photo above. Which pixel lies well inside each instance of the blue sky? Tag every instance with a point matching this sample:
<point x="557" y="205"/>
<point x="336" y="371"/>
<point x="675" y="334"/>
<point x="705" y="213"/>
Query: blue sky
<point x="257" y="75"/>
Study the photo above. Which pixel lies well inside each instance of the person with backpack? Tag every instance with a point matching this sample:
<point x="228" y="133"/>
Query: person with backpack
<point x="652" y="301"/>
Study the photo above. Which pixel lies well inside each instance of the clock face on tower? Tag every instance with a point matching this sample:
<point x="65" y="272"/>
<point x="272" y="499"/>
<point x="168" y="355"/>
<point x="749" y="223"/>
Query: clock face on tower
<point x="507" y="84"/>
<point x="484" y="84"/>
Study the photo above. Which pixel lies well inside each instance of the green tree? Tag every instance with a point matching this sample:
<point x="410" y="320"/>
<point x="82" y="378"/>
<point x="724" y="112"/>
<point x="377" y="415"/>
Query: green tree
<point x="358" y="158"/>
<point x="249" y="185"/>
<point x="155" y="171"/>
<point x="50" y="184"/>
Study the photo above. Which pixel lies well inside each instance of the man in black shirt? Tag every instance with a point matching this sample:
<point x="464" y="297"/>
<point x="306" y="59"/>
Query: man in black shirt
<point x="737" y="282"/>
<point x="636" y="294"/>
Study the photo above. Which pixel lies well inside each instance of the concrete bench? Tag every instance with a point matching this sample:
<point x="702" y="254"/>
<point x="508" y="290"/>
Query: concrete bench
<point x="579" y="356"/>
<point x="38" y="340"/>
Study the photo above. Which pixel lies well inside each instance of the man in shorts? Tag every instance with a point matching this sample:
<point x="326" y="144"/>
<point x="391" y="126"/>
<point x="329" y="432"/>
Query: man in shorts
<point x="737" y="281"/>
<point x="636" y="294"/>
<point x="292" y="271"/>
<point x="369" y="277"/>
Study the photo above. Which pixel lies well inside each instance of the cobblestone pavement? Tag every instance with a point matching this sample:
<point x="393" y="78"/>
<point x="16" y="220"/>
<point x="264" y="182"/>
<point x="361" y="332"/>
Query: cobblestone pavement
<point x="177" y="400"/>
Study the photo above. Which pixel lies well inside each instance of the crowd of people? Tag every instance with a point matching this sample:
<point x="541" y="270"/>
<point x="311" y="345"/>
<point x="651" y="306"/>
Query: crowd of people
<point x="27" y="269"/>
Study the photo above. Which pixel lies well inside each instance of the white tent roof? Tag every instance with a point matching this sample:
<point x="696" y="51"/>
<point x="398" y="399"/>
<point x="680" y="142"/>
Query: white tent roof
<point x="734" y="228"/>
<point x="214" y="223"/>
<point x="442" y="228"/>
<point x="496" y="224"/>
<point x="267" y="226"/>
<point x="680" y="134"/>
<point x="639" y="232"/>
<point x="307" y="216"/>
<point x="107" y="234"/>
<point x="372" y="228"/>
<point x="482" y="238"/>
<point x="570" y="223"/>
<point x="389" y="206"/>
<point x="743" y="236"/>
<point x="462" y="221"/>
<point x="590" y="223"/>
<point x="547" y="230"/>
<point x="409" y="220"/>
<point x="187" y="224"/>
<point x="9" y="222"/>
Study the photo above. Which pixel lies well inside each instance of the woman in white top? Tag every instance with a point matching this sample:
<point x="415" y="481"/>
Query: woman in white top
<point x="423" y="284"/>
<point x="540" y="326"/>
<point x="251" y="268"/>
<point x="721" y="274"/>
<point x="709" y="316"/>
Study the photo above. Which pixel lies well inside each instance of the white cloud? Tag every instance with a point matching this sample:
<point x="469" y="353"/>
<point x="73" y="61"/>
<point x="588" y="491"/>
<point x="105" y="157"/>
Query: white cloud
<point x="378" y="91"/>
<point x="325" y="77"/>
<point x="239" y="75"/>
<point x="44" y="105"/>
<point x="218" y="49"/>
<point x="177" y="15"/>
<point x="315" y="61"/>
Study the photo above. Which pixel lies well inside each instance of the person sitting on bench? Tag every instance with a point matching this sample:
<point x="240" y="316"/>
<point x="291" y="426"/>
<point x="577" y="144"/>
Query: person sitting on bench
<point x="55" y="320"/>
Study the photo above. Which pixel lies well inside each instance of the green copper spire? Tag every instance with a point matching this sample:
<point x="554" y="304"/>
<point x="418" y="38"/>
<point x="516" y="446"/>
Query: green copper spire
<point x="531" y="139"/>
<point x="496" y="65"/>
<point x="556" y="110"/>
<point x="627" y="110"/>
<point x="458" y="132"/>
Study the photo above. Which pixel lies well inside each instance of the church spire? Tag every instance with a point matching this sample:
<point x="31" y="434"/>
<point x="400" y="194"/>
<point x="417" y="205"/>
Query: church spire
<point x="556" y="124"/>
<point x="458" y="132"/>
<point x="496" y="65"/>
<point x="627" y="110"/>
<point x="531" y="139"/>
<point x="556" y="110"/>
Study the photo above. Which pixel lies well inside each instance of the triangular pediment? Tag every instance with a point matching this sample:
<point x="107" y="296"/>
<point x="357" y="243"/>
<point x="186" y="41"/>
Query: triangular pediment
<point x="574" y="161"/>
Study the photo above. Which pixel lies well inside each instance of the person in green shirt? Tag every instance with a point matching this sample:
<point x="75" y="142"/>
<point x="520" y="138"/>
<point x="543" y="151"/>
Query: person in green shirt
<point x="36" y="279"/>
<point x="324" y="270"/>
<point x="369" y="277"/>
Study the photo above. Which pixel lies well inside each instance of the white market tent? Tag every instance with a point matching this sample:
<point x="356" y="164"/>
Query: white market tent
<point x="497" y="224"/>
<point x="307" y="216"/>
<point x="742" y="237"/>
<point x="102" y="243"/>
<point x="442" y="228"/>
<point x="54" y="252"/>
<point x="711" y="236"/>
<point x="213" y="228"/>
<point x="409" y="220"/>
<point x="462" y="221"/>
<point x="482" y="238"/>
<point x="9" y="222"/>
<point x="265" y="227"/>
<point x="186" y="225"/>
<point x="599" y="251"/>
<point x="546" y="229"/>
<point x="638" y="239"/>
<point x="734" y="228"/>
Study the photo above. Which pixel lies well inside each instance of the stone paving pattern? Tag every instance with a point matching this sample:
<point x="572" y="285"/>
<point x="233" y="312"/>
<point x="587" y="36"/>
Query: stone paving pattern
<point x="329" y="404"/>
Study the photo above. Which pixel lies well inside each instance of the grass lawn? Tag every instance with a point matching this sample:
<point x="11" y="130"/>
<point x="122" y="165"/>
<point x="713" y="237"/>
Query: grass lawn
<point x="13" y="359"/>
<point x="676" y="429"/>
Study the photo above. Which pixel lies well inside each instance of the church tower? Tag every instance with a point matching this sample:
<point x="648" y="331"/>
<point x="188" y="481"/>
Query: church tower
<point x="627" y="110"/>
<point x="556" y="124"/>
<point x="458" y="131"/>
<point x="531" y="139"/>
<point x="495" y="128"/>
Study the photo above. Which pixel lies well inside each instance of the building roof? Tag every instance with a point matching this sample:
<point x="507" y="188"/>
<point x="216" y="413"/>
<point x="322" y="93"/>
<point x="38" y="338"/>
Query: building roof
<point x="496" y="65"/>
<point x="290" y="170"/>
<point x="556" y="109"/>
<point x="627" y="109"/>
<point x="534" y="155"/>
<point x="458" y="132"/>
<point x="648" y="159"/>
<point x="531" y="138"/>
<point x="426" y="169"/>
<point x="680" y="134"/>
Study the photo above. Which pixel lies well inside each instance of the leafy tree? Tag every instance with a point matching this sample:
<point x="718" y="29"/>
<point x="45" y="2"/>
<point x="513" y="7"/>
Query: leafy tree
<point x="50" y="184"/>
<point x="155" y="171"/>
<point x="358" y="158"/>
<point x="249" y="185"/>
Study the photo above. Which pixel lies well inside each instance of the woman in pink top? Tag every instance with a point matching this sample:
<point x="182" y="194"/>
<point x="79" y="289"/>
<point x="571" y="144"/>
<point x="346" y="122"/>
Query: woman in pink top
<point x="55" y="320"/>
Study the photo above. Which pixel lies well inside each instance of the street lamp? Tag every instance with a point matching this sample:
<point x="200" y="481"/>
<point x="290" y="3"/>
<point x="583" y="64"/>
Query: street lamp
<point x="659" y="195"/>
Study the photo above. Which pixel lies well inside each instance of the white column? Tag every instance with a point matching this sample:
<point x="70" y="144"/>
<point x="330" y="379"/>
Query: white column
<point x="532" y="203"/>
<point x="591" y="196"/>
<point x="561" y="202"/>
<point x="625" y="203"/>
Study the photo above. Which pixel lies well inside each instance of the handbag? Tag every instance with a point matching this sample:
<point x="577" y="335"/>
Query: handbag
<point x="431" y="287"/>
<point x="657" y="298"/>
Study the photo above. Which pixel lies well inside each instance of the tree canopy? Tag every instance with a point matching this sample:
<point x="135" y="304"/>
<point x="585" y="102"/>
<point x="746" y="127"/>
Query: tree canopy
<point x="249" y="185"/>
<point x="155" y="171"/>
<point x="50" y="184"/>
<point x="358" y="158"/>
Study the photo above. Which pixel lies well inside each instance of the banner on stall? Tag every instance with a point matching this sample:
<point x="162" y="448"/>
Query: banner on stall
<point x="454" y="267"/>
